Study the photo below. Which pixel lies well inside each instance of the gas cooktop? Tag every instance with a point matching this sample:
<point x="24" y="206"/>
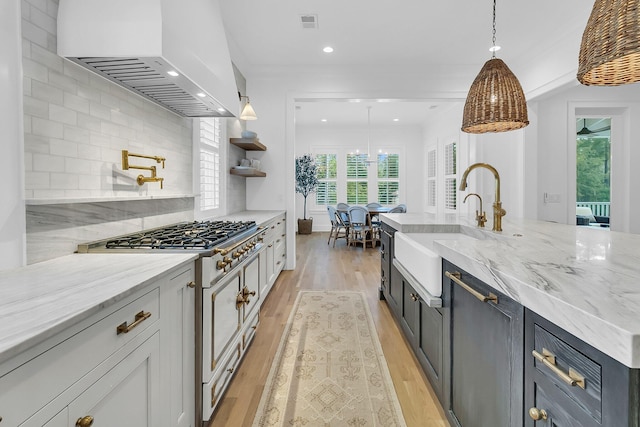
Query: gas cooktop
<point x="195" y="235"/>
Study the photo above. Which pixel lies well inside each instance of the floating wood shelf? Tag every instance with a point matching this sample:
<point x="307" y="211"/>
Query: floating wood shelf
<point x="251" y="172"/>
<point x="249" y="144"/>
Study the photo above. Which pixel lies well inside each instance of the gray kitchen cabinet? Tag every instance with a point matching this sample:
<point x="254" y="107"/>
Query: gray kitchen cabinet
<point x="570" y="383"/>
<point x="429" y="345"/>
<point x="386" y="259"/>
<point x="422" y="326"/>
<point x="394" y="292"/>
<point x="483" y="346"/>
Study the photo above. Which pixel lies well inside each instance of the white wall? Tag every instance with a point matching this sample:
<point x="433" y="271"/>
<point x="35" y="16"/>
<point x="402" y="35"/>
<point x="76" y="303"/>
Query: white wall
<point x="12" y="216"/>
<point x="407" y="139"/>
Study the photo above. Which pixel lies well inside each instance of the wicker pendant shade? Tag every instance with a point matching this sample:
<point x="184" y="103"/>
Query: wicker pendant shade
<point x="610" y="49"/>
<point x="495" y="102"/>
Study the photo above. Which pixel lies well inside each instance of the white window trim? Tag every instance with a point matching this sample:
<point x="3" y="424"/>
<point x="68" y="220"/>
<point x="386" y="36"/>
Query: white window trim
<point x="198" y="213"/>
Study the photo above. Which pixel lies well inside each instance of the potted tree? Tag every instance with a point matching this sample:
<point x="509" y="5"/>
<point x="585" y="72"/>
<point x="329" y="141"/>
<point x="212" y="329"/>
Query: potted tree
<point x="306" y="183"/>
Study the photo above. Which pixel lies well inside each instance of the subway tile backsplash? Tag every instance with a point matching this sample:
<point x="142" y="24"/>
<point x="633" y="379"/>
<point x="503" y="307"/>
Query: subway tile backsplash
<point x="76" y="125"/>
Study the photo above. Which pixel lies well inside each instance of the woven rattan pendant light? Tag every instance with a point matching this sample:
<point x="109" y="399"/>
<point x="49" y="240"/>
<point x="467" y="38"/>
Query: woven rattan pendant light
<point x="495" y="102"/>
<point x="610" y="49"/>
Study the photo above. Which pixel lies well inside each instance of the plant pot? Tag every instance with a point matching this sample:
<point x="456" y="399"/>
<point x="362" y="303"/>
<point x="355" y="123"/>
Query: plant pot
<point x="305" y="225"/>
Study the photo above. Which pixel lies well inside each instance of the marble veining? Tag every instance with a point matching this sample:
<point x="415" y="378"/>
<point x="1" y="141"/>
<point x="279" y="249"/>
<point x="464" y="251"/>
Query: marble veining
<point x="583" y="279"/>
<point x="43" y="299"/>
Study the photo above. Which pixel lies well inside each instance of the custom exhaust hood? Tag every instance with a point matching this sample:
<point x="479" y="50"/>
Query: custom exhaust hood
<point x="171" y="52"/>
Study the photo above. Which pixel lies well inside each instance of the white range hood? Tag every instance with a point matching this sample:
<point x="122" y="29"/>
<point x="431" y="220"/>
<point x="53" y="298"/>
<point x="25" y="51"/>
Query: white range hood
<point x="137" y="43"/>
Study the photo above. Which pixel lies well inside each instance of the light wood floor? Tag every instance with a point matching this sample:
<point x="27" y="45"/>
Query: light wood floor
<point x="321" y="266"/>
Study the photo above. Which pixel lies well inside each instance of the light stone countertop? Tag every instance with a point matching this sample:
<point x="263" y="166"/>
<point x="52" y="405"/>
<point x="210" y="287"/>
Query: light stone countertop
<point x="585" y="280"/>
<point x="42" y="299"/>
<point x="260" y="217"/>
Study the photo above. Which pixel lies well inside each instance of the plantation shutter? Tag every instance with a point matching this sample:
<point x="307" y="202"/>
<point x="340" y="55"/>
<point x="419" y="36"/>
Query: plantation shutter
<point x="450" y="181"/>
<point x="210" y="135"/>
<point x="388" y="178"/>
<point x="327" y="174"/>
<point x="357" y="175"/>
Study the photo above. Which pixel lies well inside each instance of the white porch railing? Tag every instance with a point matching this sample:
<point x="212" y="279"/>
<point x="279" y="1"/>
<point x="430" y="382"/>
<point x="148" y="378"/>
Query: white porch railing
<point x="598" y="208"/>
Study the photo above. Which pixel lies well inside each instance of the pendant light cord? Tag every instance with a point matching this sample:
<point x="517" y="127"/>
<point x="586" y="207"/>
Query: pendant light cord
<point x="493" y="51"/>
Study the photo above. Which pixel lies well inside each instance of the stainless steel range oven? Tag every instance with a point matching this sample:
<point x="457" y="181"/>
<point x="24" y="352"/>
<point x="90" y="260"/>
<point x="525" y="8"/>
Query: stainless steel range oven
<point x="227" y="293"/>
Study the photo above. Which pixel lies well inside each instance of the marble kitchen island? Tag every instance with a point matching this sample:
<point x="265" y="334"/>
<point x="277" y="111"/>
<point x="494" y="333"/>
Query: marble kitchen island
<point x="585" y="280"/>
<point x="565" y="344"/>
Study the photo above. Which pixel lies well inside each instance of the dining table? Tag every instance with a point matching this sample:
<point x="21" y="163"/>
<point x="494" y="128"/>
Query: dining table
<point x="373" y="211"/>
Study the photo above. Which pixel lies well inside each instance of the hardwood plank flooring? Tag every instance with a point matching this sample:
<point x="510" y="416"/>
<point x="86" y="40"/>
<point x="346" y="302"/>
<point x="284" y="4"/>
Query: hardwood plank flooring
<point x="321" y="266"/>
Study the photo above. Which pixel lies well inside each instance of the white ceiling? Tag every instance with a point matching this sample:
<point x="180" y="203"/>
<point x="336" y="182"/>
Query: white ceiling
<point x="404" y="33"/>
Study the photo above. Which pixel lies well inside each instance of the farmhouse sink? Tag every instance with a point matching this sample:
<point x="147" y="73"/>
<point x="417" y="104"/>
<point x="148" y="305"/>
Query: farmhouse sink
<point x="415" y="252"/>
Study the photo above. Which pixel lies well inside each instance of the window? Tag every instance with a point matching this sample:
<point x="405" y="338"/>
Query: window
<point x="450" y="182"/>
<point x="431" y="179"/>
<point x="357" y="179"/>
<point x="388" y="178"/>
<point x="209" y="137"/>
<point x="327" y="174"/>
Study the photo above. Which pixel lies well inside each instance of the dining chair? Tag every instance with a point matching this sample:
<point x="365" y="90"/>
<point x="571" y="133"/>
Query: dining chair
<point x="360" y="229"/>
<point x="375" y="220"/>
<point x="343" y="211"/>
<point x="337" y="225"/>
<point x="404" y="207"/>
<point x="397" y="209"/>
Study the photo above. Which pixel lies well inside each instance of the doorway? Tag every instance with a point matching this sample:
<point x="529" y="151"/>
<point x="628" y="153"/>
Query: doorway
<point x="593" y="171"/>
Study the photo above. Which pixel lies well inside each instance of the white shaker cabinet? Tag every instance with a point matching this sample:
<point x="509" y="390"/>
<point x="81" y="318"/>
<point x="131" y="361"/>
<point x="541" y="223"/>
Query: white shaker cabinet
<point x="177" y="332"/>
<point x="128" y="395"/>
<point x="130" y="364"/>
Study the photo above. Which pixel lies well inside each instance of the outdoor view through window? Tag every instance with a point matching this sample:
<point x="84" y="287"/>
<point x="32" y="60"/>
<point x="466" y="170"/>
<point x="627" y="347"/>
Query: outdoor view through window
<point x="593" y="166"/>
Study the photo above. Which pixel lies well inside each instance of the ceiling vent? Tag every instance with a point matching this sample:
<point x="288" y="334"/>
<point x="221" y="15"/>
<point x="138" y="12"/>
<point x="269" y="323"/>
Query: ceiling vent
<point x="309" y="22"/>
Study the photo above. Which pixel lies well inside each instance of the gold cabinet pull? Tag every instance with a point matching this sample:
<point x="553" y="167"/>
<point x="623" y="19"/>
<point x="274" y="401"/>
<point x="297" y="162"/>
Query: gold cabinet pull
<point x="123" y="328"/>
<point x="191" y="284"/>
<point x="85" y="421"/>
<point x="572" y="378"/>
<point x="456" y="278"/>
<point x="537" y="414"/>
<point x="414" y="297"/>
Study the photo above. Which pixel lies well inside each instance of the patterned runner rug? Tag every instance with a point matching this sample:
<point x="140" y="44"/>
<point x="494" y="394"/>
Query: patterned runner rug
<point x="329" y="369"/>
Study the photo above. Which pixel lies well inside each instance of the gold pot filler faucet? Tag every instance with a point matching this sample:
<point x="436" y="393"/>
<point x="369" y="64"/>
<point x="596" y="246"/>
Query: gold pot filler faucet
<point x="498" y="212"/>
<point x="141" y="178"/>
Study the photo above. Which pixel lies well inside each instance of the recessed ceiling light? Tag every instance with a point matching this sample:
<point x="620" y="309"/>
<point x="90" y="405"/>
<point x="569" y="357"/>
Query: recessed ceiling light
<point x="323" y="120"/>
<point x="173" y="73"/>
<point x="327" y="49"/>
<point x="201" y="95"/>
<point x="494" y="48"/>
<point x="396" y="120"/>
<point x="222" y="110"/>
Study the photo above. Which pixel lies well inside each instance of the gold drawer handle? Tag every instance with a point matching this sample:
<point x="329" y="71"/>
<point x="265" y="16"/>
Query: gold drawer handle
<point x="125" y="329"/>
<point x="573" y="378"/>
<point x="538" y="414"/>
<point x="85" y="421"/>
<point x="456" y="278"/>
<point x="191" y="284"/>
